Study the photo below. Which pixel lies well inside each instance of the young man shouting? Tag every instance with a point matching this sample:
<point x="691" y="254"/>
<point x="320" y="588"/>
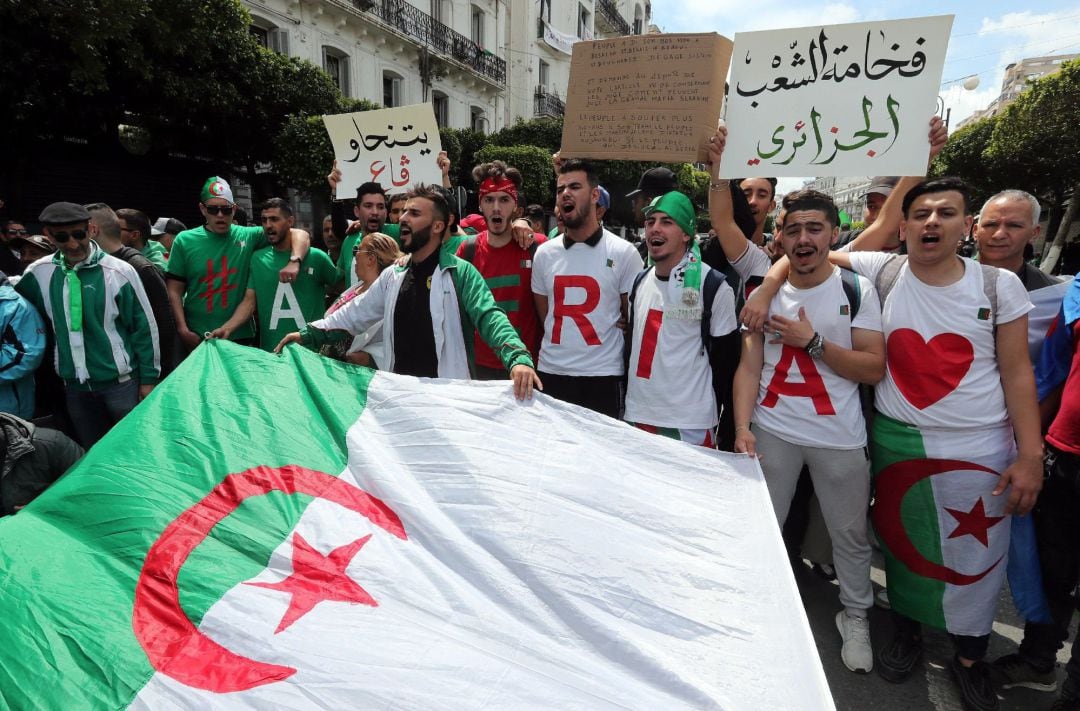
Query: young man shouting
<point x="798" y="384"/>
<point x="680" y="367"/>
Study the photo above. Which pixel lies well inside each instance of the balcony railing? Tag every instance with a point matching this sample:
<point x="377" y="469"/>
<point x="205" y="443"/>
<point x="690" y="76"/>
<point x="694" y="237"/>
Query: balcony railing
<point x="422" y="27"/>
<point x="614" y="18"/>
<point x="547" y="104"/>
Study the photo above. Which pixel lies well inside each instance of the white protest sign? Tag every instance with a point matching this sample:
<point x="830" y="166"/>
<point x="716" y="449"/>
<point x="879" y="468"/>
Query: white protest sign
<point x="827" y="100"/>
<point x="395" y="148"/>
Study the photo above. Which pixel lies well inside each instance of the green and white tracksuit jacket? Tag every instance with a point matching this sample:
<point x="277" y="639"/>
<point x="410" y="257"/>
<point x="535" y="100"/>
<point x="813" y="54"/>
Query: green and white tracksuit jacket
<point x="460" y="301"/>
<point x="105" y="331"/>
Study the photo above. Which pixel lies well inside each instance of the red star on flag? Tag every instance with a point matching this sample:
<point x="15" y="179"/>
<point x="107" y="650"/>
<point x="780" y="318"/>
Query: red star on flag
<point x="973" y="523"/>
<point x="316" y="578"/>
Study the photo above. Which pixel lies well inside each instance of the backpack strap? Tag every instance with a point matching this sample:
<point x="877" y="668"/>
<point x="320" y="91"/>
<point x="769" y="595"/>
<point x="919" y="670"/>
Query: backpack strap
<point x="852" y="290"/>
<point x="713" y="281"/>
<point x="887" y="276"/>
<point x="628" y="339"/>
<point x="469" y="253"/>
<point x="990" y="280"/>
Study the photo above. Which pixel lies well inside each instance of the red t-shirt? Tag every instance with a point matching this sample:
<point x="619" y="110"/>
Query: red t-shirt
<point x="1064" y="432"/>
<point x="508" y="273"/>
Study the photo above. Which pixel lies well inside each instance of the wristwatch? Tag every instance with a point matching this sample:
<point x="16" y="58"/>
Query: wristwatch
<point x="816" y="346"/>
<point x="294" y="258"/>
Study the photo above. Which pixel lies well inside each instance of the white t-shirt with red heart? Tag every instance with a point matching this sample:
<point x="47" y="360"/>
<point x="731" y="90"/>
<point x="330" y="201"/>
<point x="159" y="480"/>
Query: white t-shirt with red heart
<point x="941" y="356"/>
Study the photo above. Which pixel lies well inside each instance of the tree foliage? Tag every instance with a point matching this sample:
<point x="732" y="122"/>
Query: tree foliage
<point x="964" y="156"/>
<point x="535" y="166"/>
<point x="303" y="154"/>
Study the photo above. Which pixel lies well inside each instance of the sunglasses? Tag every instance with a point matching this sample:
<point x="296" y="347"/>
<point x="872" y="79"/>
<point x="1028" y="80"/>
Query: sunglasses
<point x="219" y="209"/>
<point x="17" y="232"/>
<point x="61" y="237"/>
<point x="356" y="250"/>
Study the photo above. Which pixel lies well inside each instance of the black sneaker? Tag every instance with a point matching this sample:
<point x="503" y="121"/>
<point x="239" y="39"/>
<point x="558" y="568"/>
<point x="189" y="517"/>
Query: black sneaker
<point x="976" y="687"/>
<point x="1015" y="671"/>
<point x="898" y="659"/>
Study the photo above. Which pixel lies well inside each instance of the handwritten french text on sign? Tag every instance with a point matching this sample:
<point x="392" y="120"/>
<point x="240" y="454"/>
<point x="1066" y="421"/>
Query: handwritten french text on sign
<point x="395" y="148"/>
<point x="647" y="97"/>
<point x="836" y="99"/>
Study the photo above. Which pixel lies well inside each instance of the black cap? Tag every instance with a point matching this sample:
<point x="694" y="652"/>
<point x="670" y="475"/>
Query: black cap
<point x="655" y="181"/>
<point x="63" y="213"/>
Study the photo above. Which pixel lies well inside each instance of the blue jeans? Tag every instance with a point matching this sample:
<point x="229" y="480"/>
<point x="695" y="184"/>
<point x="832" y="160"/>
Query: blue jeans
<point x="94" y="412"/>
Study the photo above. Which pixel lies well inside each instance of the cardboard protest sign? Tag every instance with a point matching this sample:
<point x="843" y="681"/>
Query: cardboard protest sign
<point x="395" y="148"/>
<point x="835" y="99"/>
<point x="646" y="97"/>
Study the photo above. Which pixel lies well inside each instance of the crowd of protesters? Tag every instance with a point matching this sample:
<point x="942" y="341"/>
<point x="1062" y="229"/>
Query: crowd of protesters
<point x="855" y="365"/>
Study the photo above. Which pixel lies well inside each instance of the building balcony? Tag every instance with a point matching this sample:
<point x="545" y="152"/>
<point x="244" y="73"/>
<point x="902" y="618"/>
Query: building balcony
<point x="429" y="32"/>
<point x="608" y="14"/>
<point x="547" y="103"/>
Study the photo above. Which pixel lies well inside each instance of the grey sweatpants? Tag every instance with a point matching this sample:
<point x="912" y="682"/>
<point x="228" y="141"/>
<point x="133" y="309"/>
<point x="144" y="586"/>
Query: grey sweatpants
<point x="842" y="483"/>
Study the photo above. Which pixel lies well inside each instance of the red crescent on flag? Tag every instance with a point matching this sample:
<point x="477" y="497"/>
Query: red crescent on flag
<point x="172" y="643"/>
<point x="891" y="485"/>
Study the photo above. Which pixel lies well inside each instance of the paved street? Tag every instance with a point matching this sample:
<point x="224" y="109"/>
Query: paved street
<point x="931" y="689"/>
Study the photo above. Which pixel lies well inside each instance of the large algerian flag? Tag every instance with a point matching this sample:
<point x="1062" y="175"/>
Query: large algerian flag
<point x="1047" y="303"/>
<point x="292" y="532"/>
<point x="945" y="536"/>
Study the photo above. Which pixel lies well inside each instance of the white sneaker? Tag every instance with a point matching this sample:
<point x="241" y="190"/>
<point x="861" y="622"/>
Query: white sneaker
<point x="857" y="654"/>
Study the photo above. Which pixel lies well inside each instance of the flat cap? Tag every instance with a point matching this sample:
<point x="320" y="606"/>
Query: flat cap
<point x="63" y="213"/>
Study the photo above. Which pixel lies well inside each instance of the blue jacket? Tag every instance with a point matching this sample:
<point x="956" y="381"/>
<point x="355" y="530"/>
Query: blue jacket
<point x="22" y="346"/>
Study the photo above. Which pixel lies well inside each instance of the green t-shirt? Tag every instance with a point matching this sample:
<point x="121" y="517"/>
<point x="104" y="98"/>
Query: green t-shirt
<point x="284" y="308"/>
<point x="215" y="268"/>
<point x="347" y="261"/>
<point x="155" y="252"/>
<point x="452" y="243"/>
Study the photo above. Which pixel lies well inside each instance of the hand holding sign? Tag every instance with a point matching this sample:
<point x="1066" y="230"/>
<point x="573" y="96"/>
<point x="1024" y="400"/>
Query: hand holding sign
<point x="834" y="100"/>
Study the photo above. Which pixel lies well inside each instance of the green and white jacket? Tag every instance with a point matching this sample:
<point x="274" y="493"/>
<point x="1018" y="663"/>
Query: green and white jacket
<point x="460" y="301"/>
<point x="105" y="330"/>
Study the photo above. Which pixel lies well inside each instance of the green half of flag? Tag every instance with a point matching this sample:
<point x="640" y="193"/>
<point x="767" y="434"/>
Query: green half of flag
<point x="70" y="561"/>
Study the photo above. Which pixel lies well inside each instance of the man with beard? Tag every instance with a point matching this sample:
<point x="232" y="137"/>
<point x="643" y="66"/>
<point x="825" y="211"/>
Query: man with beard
<point x="370" y="213"/>
<point x="282" y="307"/>
<point x="581" y="285"/>
<point x="504" y="264"/>
<point x="813" y="419"/>
<point x="209" y="265"/>
<point x="429" y="308"/>
<point x="107" y="348"/>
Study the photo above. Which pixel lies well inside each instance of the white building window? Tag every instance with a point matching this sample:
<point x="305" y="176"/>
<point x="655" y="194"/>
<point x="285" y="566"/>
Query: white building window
<point x="336" y="64"/>
<point x="477" y="25"/>
<point x="391" y="89"/>
<point x="544" y="76"/>
<point x="584" y="23"/>
<point x="639" y="20"/>
<point x="479" y="120"/>
<point x="441" y="103"/>
<point x="545" y="11"/>
<point x="269" y="36"/>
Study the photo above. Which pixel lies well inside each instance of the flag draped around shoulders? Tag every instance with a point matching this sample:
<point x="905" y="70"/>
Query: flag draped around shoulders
<point x="295" y="532"/>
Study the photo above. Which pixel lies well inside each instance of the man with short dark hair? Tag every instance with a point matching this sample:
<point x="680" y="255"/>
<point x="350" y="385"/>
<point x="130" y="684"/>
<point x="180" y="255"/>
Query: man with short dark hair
<point x="10" y="262"/>
<point x="106" y="230"/>
<point x="429" y="308"/>
<point x="370" y="213"/>
<point x="957" y="404"/>
<point x="397" y="204"/>
<point x="209" y="266"/>
<point x="281" y="307"/>
<point x="761" y="194"/>
<point x="536" y="217"/>
<point x="581" y="284"/>
<point x="107" y="347"/>
<point x="135" y="233"/>
<point x="813" y="418"/>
